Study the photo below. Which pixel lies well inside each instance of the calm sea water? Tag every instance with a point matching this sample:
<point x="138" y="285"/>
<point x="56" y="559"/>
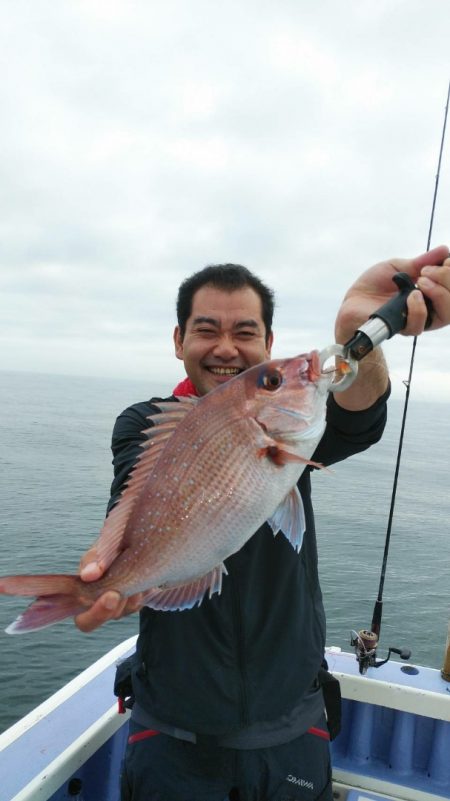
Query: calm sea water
<point x="55" y="472"/>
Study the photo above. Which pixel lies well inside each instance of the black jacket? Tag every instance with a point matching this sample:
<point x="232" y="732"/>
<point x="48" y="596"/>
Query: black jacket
<point x="253" y="652"/>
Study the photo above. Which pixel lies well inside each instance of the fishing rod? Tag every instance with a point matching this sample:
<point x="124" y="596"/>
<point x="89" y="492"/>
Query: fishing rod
<point x="383" y="324"/>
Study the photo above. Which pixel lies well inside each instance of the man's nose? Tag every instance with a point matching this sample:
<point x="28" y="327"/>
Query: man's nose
<point x="225" y="348"/>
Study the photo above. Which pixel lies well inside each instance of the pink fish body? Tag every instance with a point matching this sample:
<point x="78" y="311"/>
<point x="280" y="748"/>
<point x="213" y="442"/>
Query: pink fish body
<point x="212" y="471"/>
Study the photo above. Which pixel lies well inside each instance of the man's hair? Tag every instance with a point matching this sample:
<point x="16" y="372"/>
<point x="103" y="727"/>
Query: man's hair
<point x="228" y="277"/>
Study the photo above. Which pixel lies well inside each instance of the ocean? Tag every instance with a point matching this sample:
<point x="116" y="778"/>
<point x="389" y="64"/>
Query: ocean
<point x="55" y="473"/>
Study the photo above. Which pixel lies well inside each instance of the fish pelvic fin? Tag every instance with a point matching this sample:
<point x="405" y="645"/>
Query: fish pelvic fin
<point x="112" y="538"/>
<point x="59" y="596"/>
<point x="289" y="517"/>
<point x="186" y="596"/>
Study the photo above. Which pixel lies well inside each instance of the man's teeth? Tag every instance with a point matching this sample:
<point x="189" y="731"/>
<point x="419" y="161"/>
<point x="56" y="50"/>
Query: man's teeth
<point x="224" y="370"/>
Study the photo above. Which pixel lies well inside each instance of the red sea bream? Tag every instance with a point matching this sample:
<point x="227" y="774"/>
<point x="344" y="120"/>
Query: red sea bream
<point x="211" y="472"/>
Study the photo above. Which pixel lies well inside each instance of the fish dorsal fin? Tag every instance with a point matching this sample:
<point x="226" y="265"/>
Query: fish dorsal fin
<point x="185" y="596"/>
<point x="289" y="517"/>
<point x="176" y="407"/>
<point x="112" y="538"/>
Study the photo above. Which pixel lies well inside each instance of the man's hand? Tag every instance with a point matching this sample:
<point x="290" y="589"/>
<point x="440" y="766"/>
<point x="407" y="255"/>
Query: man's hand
<point x="431" y="272"/>
<point x="111" y="605"/>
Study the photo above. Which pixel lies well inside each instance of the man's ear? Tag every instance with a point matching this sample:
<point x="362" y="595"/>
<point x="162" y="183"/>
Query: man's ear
<point x="178" y="342"/>
<point x="269" y="344"/>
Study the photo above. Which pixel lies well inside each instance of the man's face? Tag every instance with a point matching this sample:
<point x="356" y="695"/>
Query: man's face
<point x="225" y="334"/>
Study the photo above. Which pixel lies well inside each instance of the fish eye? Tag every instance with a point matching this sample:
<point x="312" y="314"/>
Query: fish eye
<point x="271" y="379"/>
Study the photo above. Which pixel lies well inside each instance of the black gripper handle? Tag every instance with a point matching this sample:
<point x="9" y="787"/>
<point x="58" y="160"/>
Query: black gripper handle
<point x="394" y="313"/>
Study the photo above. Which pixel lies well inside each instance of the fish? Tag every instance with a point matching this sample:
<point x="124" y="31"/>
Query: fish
<point x="211" y="472"/>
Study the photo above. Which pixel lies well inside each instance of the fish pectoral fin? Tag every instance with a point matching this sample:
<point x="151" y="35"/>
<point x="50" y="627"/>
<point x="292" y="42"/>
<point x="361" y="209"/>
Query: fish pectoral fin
<point x="289" y="517"/>
<point x="280" y="455"/>
<point x="185" y="596"/>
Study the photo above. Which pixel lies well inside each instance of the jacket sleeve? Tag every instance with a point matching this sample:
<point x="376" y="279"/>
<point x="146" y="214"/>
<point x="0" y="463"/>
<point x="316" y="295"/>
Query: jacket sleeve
<point x="348" y="433"/>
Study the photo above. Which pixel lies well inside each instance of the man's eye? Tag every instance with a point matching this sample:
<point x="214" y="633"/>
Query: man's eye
<point x="246" y="334"/>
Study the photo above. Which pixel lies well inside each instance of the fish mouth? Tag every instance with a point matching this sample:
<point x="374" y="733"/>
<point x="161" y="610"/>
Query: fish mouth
<point x="314" y="373"/>
<point x="315" y="367"/>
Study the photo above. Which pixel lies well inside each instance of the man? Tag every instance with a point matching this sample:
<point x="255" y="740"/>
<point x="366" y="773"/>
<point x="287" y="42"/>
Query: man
<point x="227" y="698"/>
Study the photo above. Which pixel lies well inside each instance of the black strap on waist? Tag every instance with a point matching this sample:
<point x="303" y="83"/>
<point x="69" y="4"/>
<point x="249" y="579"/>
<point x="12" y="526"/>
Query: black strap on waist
<point x="331" y="690"/>
<point x="122" y="684"/>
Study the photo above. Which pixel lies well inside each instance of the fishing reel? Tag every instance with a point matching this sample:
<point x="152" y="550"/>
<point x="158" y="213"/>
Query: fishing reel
<point x="365" y="644"/>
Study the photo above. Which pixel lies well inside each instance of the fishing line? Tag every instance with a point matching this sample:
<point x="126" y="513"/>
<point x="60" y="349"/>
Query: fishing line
<point x="378" y="608"/>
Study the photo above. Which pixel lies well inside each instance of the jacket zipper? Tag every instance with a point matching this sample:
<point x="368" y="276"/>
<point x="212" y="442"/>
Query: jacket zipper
<point x="237" y="614"/>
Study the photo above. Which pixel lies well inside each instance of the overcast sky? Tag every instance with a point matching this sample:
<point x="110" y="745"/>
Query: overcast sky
<point x="142" y="140"/>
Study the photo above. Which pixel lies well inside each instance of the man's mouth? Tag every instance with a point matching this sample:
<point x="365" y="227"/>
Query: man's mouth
<point x="225" y="371"/>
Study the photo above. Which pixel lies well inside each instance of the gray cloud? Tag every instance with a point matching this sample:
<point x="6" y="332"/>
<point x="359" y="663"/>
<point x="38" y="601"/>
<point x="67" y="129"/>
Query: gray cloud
<point x="141" y="141"/>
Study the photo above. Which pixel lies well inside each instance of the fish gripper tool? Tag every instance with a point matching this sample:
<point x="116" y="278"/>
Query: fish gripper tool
<point x="346" y="366"/>
<point x="386" y="321"/>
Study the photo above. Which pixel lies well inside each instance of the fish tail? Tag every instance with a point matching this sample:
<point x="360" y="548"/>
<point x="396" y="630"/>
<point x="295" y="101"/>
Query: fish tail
<point x="58" y="597"/>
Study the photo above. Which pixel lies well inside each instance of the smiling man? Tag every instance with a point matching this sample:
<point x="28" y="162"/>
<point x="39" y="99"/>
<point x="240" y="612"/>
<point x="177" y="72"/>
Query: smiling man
<point x="227" y="695"/>
<point x="222" y="330"/>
